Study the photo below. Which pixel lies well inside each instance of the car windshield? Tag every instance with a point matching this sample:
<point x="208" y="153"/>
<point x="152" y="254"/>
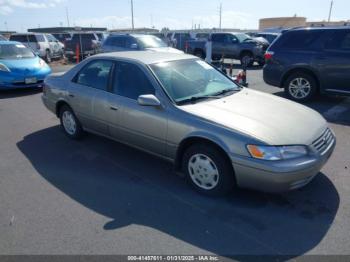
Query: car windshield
<point x="151" y="42"/>
<point x="15" y="51"/>
<point x="188" y="80"/>
<point x="243" y="37"/>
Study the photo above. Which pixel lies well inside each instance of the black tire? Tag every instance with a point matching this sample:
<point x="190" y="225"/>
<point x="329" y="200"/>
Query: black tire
<point x="48" y="58"/>
<point x="226" y="179"/>
<point x="78" y="134"/>
<point x="199" y="53"/>
<point x="247" y="59"/>
<point x="261" y="63"/>
<point x="300" y="75"/>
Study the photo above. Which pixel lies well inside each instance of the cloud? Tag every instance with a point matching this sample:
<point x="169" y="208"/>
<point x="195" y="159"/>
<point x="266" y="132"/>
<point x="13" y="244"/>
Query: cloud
<point x="230" y="19"/>
<point x="8" y="6"/>
<point x="107" y="21"/>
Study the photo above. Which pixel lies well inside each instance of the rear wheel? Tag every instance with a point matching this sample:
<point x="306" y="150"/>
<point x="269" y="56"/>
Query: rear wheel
<point x="199" y="53"/>
<point x="69" y="123"/>
<point x="208" y="170"/>
<point x="300" y="87"/>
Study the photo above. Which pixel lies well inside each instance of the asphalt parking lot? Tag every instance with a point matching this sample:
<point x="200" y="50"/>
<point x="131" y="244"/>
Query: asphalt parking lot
<point x="96" y="196"/>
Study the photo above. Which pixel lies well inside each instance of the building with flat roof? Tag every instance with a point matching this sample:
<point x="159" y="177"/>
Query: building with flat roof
<point x="295" y="21"/>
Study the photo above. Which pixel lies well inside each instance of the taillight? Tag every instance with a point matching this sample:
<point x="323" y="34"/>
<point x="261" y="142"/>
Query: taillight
<point x="268" y="55"/>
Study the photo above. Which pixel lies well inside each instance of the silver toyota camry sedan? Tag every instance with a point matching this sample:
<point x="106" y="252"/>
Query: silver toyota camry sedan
<point x="180" y="108"/>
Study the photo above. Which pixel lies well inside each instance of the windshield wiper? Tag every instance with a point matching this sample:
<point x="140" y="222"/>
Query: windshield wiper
<point x="196" y="98"/>
<point x="225" y="91"/>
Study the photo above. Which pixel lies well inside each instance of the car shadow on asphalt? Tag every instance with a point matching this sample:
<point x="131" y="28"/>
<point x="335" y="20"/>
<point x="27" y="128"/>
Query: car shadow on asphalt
<point x="335" y="109"/>
<point x="13" y="93"/>
<point x="131" y="187"/>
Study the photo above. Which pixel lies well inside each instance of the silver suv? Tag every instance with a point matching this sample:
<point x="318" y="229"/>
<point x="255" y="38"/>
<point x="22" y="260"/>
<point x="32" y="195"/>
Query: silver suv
<point x="45" y="45"/>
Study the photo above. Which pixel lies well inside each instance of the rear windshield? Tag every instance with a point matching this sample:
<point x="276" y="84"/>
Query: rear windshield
<point x="151" y="42"/>
<point x="15" y="51"/>
<point x="19" y="38"/>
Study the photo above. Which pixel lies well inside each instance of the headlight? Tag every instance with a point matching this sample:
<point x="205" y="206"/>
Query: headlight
<point x="4" y="68"/>
<point x="274" y="153"/>
<point x="42" y="63"/>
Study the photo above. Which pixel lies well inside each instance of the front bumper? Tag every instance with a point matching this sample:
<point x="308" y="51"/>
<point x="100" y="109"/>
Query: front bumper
<point x="279" y="176"/>
<point x="17" y="81"/>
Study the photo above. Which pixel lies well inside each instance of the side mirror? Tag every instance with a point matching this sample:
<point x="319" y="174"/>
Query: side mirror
<point x="134" y="46"/>
<point x="148" y="100"/>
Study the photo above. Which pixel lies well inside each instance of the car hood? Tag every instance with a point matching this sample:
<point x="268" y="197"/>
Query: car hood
<point x="19" y="65"/>
<point x="268" y="118"/>
<point x="165" y="49"/>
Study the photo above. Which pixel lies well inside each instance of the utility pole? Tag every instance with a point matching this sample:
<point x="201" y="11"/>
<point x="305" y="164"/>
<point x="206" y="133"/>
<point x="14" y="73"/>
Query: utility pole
<point x="67" y="15"/>
<point x="220" y="15"/>
<point x="132" y="15"/>
<point x="330" y="11"/>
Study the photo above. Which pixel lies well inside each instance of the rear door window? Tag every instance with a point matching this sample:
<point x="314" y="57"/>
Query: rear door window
<point x="118" y="41"/>
<point x="220" y="38"/>
<point x="96" y="74"/>
<point x="300" y="39"/>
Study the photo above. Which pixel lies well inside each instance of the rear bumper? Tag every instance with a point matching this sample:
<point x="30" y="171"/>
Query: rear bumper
<point x="272" y="75"/>
<point x="279" y="176"/>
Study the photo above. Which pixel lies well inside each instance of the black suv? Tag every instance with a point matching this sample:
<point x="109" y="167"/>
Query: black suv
<point x="306" y="61"/>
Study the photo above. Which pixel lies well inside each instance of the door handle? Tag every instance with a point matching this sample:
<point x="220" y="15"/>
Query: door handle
<point x="113" y="108"/>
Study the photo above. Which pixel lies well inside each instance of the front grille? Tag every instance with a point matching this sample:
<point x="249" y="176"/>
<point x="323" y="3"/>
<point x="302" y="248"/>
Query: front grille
<point x="22" y="83"/>
<point x="322" y="143"/>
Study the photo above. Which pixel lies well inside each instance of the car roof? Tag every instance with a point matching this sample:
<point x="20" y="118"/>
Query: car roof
<point x="146" y="57"/>
<point x="28" y="34"/>
<point x="320" y="28"/>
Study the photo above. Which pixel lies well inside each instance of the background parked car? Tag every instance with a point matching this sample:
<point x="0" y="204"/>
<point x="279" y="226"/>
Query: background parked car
<point x="20" y="67"/>
<point x="180" y="40"/>
<point x="310" y="60"/>
<point x="62" y="37"/>
<point x="45" y="45"/>
<point x="270" y="37"/>
<point x="88" y="43"/>
<point x="2" y="38"/>
<point x="128" y="42"/>
<point x="231" y="45"/>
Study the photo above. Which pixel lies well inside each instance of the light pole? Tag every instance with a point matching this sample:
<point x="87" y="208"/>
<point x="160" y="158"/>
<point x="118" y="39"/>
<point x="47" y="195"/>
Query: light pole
<point x="330" y="11"/>
<point x="132" y="15"/>
<point x="220" y="15"/>
<point x="67" y="15"/>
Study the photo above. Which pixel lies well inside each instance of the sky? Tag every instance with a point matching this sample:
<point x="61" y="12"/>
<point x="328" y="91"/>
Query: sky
<point x="19" y="15"/>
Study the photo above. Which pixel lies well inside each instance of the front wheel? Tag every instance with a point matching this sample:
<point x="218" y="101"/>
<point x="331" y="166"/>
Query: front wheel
<point x="69" y="123"/>
<point x="208" y="170"/>
<point x="300" y="87"/>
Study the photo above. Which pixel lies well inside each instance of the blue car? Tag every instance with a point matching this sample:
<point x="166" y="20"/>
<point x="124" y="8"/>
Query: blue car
<point x="20" y="67"/>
